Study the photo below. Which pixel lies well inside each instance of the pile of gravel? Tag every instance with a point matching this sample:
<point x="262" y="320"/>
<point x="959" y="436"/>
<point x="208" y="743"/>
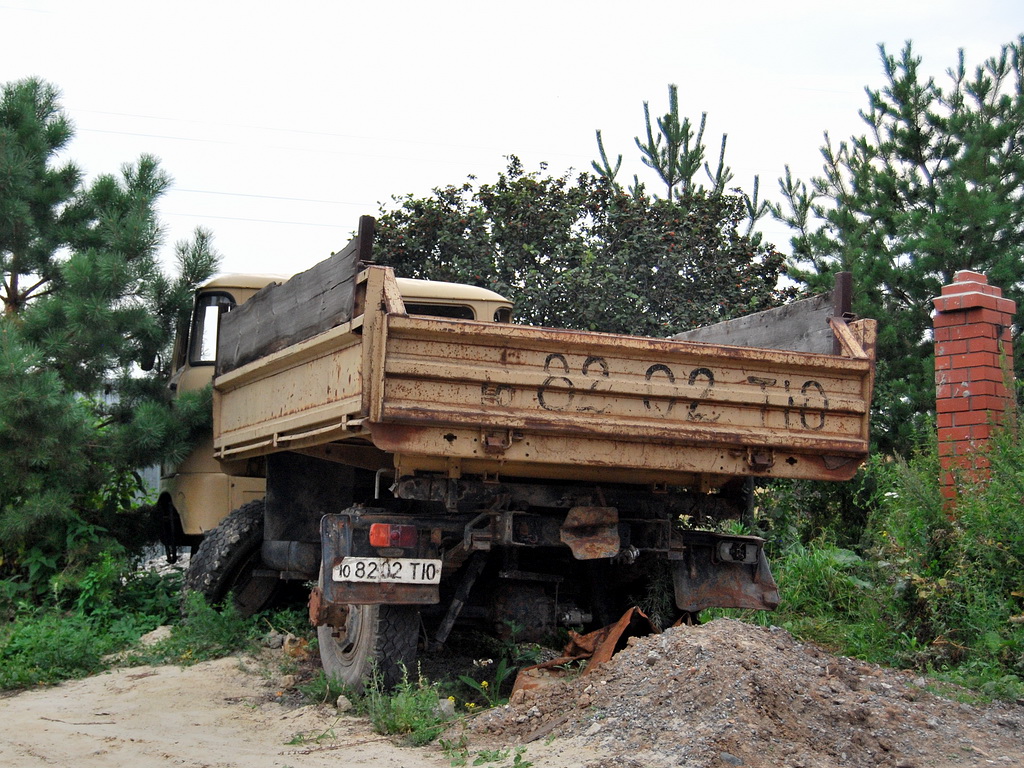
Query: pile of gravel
<point x="732" y="694"/>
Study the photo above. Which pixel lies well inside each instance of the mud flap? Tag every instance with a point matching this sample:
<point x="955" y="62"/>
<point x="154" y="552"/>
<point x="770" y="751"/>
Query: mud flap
<point x="720" y="571"/>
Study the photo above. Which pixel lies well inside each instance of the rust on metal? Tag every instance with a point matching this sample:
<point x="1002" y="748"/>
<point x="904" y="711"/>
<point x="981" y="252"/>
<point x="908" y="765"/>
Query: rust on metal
<point x="591" y="532"/>
<point x="321" y="613"/>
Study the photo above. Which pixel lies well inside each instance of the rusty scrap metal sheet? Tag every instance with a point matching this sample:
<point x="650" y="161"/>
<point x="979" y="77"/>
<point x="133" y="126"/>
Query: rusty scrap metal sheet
<point x="591" y="532"/>
<point x="593" y="648"/>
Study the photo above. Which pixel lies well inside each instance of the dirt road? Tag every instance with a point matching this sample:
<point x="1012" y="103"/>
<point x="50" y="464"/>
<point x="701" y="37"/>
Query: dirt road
<point x="212" y="714"/>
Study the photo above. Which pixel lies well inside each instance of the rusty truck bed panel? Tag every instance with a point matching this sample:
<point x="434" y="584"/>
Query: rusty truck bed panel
<point x="457" y="397"/>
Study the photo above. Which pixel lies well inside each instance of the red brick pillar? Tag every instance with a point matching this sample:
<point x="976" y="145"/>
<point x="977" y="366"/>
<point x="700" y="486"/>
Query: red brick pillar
<point x="973" y="371"/>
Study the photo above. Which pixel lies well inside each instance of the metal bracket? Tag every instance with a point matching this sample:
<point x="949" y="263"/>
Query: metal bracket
<point x="760" y="459"/>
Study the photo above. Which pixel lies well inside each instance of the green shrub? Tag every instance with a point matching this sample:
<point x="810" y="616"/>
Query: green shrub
<point x="203" y="633"/>
<point x="46" y="646"/>
<point x="956" y="574"/>
<point x="102" y="609"/>
<point x="410" y="708"/>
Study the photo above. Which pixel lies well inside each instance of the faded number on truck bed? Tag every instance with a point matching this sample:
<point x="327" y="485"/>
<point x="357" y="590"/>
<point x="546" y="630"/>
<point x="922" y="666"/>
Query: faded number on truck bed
<point x="401" y="570"/>
<point x="578" y="387"/>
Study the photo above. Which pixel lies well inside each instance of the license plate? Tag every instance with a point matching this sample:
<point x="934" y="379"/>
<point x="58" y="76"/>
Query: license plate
<point x="396" y="570"/>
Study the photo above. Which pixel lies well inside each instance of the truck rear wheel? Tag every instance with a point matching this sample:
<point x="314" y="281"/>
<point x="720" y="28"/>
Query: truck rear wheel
<point x="227" y="562"/>
<point x="376" y="639"/>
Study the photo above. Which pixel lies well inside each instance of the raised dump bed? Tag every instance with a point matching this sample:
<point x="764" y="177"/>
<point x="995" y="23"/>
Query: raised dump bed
<point x="461" y="397"/>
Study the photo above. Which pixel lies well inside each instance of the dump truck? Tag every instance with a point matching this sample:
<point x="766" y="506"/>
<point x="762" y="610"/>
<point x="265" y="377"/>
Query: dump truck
<point x="429" y="464"/>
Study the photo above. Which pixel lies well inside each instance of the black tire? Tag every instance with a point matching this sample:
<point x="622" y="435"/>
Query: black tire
<point x="379" y="638"/>
<point x="227" y="560"/>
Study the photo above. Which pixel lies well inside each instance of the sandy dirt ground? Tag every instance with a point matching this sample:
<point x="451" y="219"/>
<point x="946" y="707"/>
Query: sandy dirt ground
<point x="722" y="694"/>
<point x="213" y="714"/>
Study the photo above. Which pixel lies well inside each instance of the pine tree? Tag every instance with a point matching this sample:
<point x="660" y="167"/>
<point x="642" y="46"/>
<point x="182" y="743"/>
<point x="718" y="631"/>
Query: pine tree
<point x="933" y="187"/>
<point x="676" y="153"/>
<point x="84" y="340"/>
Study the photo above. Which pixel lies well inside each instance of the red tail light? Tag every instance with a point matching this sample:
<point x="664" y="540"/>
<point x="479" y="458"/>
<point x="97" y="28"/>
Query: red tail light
<point x="386" y="535"/>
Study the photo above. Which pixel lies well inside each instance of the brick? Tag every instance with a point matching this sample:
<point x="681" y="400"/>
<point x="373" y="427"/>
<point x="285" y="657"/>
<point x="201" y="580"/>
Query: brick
<point x="992" y="316"/>
<point x="949" y="320"/>
<point x="997" y="405"/>
<point x="971" y="287"/>
<point x="955" y="434"/>
<point x="968" y="418"/>
<point x="973" y="300"/>
<point x="955" y="347"/>
<point x="980" y="432"/>
<point x="958" y="377"/>
<point x="952" y="405"/>
<point x="943" y="420"/>
<point x="989" y="345"/>
<point x="975" y="360"/>
<point x="987" y="373"/>
<point x="970" y="331"/>
<point x="970" y="276"/>
<point x="977" y="388"/>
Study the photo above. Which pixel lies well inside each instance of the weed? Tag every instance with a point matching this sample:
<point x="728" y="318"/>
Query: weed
<point x="457" y="752"/>
<point x="47" y="646"/>
<point x="323" y="690"/>
<point x="410" y="709"/>
<point x="302" y="738"/>
<point x="204" y="633"/>
<point x="486" y="756"/>
<point x="491" y="694"/>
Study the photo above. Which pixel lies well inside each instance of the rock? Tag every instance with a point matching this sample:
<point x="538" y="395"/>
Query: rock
<point x="154" y="637"/>
<point x="296" y="647"/>
<point x="344" y="704"/>
<point x="446" y="708"/>
<point x="273" y="640"/>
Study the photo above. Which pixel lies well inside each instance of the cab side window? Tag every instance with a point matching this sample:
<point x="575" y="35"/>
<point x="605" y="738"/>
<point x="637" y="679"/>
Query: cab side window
<point x="205" y="325"/>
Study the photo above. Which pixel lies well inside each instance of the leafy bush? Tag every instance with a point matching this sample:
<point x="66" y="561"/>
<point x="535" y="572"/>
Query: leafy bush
<point x="47" y="646"/>
<point x="102" y="611"/>
<point x="957" y="573"/>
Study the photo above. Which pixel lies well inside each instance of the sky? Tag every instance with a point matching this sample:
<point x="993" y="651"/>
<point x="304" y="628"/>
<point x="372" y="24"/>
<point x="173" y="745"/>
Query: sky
<point x="281" y="124"/>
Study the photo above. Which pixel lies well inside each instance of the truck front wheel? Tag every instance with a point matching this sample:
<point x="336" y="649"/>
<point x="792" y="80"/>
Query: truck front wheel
<point x="376" y="640"/>
<point x="228" y="562"/>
